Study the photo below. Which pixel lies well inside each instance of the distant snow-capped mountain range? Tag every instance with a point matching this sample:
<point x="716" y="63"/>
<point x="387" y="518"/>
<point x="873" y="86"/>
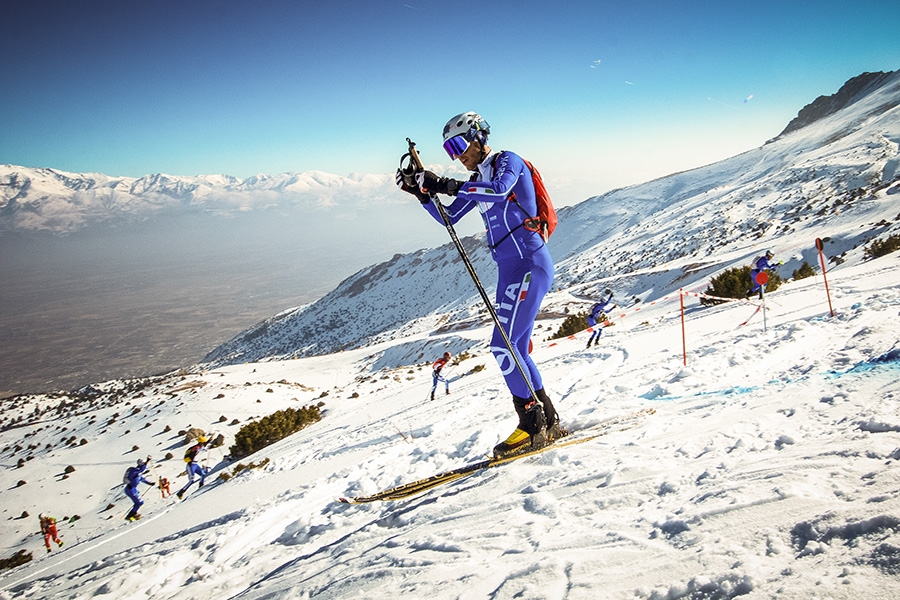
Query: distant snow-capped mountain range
<point x="833" y="174"/>
<point x="60" y="202"/>
<point x="42" y="199"/>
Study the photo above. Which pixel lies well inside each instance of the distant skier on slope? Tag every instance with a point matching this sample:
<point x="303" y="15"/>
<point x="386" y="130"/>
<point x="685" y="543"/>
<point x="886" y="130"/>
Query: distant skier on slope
<point x="134" y="476"/>
<point x="598" y="316"/>
<point x="525" y="268"/>
<point x="193" y="468"/>
<point x="48" y="529"/>
<point x="164" y="490"/>
<point x="436" y="374"/>
<point x="760" y="263"/>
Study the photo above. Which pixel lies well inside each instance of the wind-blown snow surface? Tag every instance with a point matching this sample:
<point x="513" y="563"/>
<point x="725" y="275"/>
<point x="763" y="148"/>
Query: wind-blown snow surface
<point x="768" y="470"/>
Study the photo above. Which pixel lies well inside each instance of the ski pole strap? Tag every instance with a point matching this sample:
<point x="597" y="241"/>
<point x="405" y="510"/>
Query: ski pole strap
<point x="530" y="223"/>
<point x="503" y="239"/>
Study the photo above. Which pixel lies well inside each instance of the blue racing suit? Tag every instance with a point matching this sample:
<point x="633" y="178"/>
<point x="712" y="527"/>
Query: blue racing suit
<point x="504" y="195"/>
<point x="594" y="318"/>
<point x="760" y="264"/>
<point x="135" y="477"/>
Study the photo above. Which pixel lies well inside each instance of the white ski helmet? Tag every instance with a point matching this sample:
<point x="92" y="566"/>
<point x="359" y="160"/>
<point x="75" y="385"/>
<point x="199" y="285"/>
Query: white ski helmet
<point x="470" y="125"/>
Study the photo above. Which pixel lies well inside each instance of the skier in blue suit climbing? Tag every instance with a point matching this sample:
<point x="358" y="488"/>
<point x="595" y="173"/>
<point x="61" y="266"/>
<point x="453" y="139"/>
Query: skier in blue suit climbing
<point x="760" y="263"/>
<point x="133" y="477"/>
<point x="502" y="190"/>
<point x="598" y="311"/>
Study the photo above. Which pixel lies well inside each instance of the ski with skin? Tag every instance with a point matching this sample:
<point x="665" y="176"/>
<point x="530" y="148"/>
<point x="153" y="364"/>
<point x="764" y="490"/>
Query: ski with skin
<point x="423" y="485"/>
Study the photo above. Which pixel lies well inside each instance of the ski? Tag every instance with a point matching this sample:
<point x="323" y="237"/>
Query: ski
<point x="428" y="483"/>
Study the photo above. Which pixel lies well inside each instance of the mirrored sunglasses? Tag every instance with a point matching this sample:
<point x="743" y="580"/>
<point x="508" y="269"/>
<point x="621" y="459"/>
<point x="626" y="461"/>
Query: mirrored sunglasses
<point x="456" y="146"/>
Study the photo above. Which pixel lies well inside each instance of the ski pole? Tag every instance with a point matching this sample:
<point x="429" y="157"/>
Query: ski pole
<point x="417" y="163"/>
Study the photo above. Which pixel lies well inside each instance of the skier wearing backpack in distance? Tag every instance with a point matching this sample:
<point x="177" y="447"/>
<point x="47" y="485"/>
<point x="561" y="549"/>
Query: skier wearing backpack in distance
<point x="133" y="477"/>
<point x="502" y="189"/>
<point x="436" y="374"/>
<point x="760" y="263"/>
<point x="48" y="529"/>
<point x="597" y="312"/>
<point x="193" y="468"/>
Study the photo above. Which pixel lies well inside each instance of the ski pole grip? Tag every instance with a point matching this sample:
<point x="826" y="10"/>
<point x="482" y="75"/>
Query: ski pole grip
<point x="414" y="156"/>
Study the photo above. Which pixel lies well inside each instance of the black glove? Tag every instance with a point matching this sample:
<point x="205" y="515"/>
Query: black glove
<point x="430" y="182"/>
<point x="406" y="181"/>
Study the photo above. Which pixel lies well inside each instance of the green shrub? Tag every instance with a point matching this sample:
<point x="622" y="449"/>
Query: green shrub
<point x="803" y="272"/>
<point x="269" y="429"/>
<point x="881" y="247"/>
<point x="464" y="355"/>
<point x="735" y="283"/>
<point x="242" y="467"/>
<point x="572" y="325"/>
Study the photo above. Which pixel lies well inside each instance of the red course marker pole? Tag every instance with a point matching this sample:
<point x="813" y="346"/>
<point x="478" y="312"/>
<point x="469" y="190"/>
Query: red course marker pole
<point x="819" y="246"/>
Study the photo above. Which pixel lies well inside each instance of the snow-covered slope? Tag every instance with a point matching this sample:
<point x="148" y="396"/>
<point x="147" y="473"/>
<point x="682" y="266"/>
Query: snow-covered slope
<point x="767" y="471"/>
<point x="837" y="177"/>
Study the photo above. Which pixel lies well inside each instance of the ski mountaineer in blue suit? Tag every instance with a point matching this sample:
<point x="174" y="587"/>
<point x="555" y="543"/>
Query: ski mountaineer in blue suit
<point x="760" y="263"/>
<point x="133" y="477"/>
<point x="501" y="189"/>
<point x="597" y="311"/>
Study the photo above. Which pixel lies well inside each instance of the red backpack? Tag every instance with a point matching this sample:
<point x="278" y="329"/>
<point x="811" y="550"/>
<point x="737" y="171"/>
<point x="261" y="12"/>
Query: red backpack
<point x="544" y="223"/>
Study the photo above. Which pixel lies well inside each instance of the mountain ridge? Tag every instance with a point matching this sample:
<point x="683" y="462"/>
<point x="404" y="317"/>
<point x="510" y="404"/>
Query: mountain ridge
<point x="854" y="89"/>
<point x="835" y="171"/>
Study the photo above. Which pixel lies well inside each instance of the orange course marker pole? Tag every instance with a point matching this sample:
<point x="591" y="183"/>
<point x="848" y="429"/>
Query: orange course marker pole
<point x="683" y="337"/>
<point x="819" y="247"/>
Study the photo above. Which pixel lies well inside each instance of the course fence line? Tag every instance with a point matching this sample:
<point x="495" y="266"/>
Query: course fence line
<point x="761" y="279"/>
<point x="619" y="316"/>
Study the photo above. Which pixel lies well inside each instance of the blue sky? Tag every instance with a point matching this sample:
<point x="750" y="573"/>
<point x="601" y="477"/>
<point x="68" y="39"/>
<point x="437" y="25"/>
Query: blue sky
<point x="597" y="94"/>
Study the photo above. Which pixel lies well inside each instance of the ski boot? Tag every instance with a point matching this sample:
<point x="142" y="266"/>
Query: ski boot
<point x="531" y="432"/>
<point x="554" y="429"/>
